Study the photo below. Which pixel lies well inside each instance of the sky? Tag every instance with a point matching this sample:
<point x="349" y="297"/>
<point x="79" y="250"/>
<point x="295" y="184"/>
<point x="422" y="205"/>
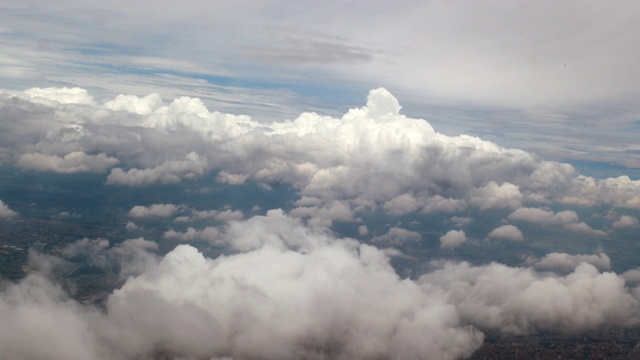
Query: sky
<point x="318" y="180"/>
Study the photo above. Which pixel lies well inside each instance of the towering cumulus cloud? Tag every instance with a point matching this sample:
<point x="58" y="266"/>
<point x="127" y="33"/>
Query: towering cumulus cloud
<point x="371" y="156"/>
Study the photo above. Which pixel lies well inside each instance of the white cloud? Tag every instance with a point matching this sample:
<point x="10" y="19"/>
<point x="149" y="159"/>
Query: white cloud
<point x="568" y="219"/>
<point x="461" y="220"/>
<point x="168" y="172"/>
<point x="233" y="179"/>
<point x="73" y="162"/>
<point x="133" y="104"/>
<point x="189" y="306"/>
<point x="453" y="239"/>
<point x="155" y="210"/>
<point x="632" y="276"/>
<point x="585" y="229"/>
<point x="396" y="236"/>
<point x="401" y="204"/>
<point x="324" y="215"/>
<point x="371" y="156"/>
<point x="224" y="215"/>
<point x="209" y="234"/>
<point x="60" y="95"/>
<point x="506" y="232"/>
<point x="620" y="191"/>
<point x="438" y="204"/>
<point x="519" y="300"/>
<point x="493" y="195"/>
<point x="567" y="263"/>
<point x="131" y="226"/>
<point x="85" y="246"/>
<point x="543" y="217"/>
<point x="6" y="212"/>
<point x="625" y="222"/>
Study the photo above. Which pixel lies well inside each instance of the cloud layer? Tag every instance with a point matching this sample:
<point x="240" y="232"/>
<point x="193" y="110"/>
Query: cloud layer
<point x="291" y="292"/>
<point x="372" y="156"/>
<point x="287" y="287"/>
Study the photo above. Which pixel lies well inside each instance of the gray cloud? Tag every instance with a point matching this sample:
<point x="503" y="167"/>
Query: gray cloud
<point x="155" y="210"/>
<point x="568" y="263"/>
<point x="506" y="232"/>
<point x="72" y="162"/>
<point x="626" y="222"/>
<point x="453" y="239"/>
<point x="519" y="300"/>
<point x="568" y="219"/>
<point x="5" y="211"/>
<point x="396" y="236"/>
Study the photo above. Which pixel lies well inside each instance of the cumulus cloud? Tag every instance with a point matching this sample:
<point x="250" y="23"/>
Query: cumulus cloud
<point x="233" y="179"/>
<point x="567" y="263"/>
<point x="493" y="195"/>
<point x="209" y="233"/>
<point x="461" y="220"/>
<point x="453" y="239"/>
<point x="134" y="104"/>
<point x="224" y="215"/>
<point x="396" y="236"/>
<point x="188" y="306"/>
<point x="131" y="226"/>
<point x="60" y="95"/>
<point x="401" y="204"/>
<point x="520" y="300"/>
<point x="5" y="211"/>
<point x="168" y="172"/>
<point x="155" y="210"/>
<point x="568" y="219"/>
<point x="370" y="157"/>
<point x="72" y="162"/>
<point x="543" y="217"/>
<point x="626" y="222"/>
<point x="325" y="214"/>
<point x="506" y="232"/>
